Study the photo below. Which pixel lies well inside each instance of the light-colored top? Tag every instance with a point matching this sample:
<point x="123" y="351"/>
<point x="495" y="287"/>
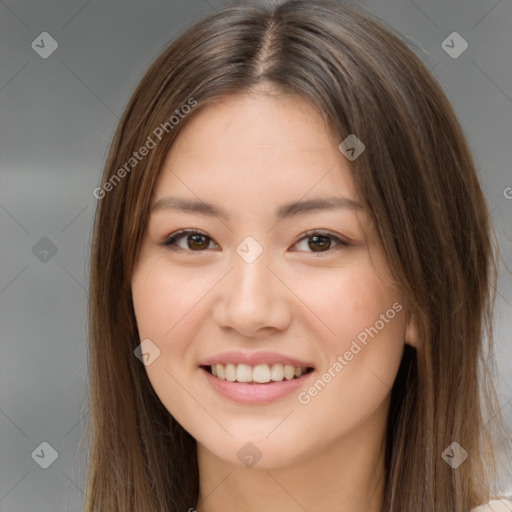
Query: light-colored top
<point x="495" y="506"/>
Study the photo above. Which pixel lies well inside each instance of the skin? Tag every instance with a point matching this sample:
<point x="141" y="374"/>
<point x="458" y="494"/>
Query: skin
<point x="250" y="154"/>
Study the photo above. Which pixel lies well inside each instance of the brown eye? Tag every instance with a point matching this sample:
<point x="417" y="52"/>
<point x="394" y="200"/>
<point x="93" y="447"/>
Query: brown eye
<point x="320" y="242"/>
<point x="196" y="241"/>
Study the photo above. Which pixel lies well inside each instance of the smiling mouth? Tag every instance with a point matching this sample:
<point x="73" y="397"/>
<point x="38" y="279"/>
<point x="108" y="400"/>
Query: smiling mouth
<point x="259" y="374"/>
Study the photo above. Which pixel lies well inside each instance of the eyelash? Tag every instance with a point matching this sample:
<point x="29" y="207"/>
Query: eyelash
<point x="170" y="242"/>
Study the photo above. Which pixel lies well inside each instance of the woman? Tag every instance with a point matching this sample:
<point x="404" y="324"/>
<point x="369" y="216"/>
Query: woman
<point x="292" y="280"/>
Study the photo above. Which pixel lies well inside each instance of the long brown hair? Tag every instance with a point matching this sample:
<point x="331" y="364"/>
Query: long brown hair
<point x="418" y="182"/>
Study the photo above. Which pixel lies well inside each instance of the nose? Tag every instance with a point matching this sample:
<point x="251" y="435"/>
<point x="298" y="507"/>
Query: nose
<point x="252" y="299"/>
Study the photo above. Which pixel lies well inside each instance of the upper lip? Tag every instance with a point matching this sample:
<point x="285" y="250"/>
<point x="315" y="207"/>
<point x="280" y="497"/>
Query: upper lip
<point x="254" y="358"/>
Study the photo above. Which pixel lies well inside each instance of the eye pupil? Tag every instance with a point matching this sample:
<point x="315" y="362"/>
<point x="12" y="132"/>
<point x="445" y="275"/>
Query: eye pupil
<point x="315" y="239"/>
<point x="194" y="239"/>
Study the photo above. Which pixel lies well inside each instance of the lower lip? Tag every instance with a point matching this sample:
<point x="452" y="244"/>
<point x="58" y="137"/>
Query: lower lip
<point x="254" y="393"/>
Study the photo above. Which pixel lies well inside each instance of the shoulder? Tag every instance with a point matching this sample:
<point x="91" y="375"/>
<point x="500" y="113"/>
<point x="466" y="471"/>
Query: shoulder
<point x="503" y="505"/>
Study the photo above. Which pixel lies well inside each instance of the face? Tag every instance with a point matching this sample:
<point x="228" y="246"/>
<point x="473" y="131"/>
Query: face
<point x="247" y="281"/>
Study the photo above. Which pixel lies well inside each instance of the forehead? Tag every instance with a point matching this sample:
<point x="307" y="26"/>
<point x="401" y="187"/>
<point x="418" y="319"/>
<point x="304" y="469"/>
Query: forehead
<point x="258" y="145"/>
<point x="261" y="123"/>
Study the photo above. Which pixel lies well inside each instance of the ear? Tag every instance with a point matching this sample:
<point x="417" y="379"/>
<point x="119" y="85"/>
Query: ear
<point x="411" y="331"/>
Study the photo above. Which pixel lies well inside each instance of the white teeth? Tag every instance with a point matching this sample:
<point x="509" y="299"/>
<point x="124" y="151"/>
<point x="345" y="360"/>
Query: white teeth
<point x="277" y="373"/>
<point x="289" y="372"/>
<point x="261" y="373"/>
<point x="243" y="373"/>
<point x="230" y="372"/>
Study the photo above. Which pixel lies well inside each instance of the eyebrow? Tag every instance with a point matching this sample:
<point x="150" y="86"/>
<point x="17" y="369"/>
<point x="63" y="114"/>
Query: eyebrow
<point x="290" y="209"/>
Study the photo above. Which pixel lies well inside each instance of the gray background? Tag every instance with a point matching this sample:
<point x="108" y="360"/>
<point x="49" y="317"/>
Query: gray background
<point x="57" y="116"/>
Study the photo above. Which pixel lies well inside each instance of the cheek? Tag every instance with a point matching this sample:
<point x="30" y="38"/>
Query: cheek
<point x="170" y="306"/>
<point x="166" y="304"/>
<point x="163" y="297"/>
<point x="352" y="302"/>
<point x="364" y="356"/>
<point x="167" y="309"/>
